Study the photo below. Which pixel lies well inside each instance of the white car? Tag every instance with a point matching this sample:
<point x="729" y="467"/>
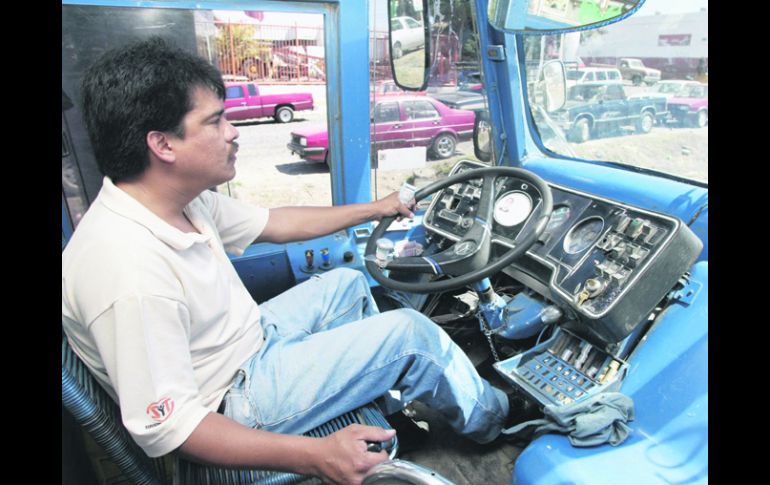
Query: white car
<point x="580" y="81"/>
<point x="407" y="34"/>
<point x="596" y="76"/>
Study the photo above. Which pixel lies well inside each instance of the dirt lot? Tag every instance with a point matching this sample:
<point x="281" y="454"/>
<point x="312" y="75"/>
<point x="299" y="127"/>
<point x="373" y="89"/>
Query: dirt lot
<point x="269" y="175"/>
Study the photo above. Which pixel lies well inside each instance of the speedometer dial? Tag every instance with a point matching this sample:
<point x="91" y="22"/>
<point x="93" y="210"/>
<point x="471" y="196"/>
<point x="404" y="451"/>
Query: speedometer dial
<point x="512" y="208"/>
<point x="583" y="235"/>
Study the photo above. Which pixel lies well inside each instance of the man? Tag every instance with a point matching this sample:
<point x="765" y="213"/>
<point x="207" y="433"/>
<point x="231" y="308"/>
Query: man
<point x="153" y="306"/>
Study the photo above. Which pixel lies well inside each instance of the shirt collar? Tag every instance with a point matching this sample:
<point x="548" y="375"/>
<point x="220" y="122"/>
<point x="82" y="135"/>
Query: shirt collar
<point x="123" y="204"/>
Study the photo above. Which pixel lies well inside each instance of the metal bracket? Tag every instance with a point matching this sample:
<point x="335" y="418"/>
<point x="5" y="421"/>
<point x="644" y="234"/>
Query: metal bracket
<point x="688" y="292"/>
<point x="496" y="53"/>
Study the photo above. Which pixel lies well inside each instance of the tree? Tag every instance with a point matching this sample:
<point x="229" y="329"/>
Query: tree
<point x="240" y="51"/>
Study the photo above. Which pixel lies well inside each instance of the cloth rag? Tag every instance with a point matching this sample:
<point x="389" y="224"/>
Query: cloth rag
<point x="597" y="420"/>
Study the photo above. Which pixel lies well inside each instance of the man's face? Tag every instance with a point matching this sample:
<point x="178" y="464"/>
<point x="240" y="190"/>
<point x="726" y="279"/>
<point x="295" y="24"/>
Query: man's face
<point x="206" y="154"/>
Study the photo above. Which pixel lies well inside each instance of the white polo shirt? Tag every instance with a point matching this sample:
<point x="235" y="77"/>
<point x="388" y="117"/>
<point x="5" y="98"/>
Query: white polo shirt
<point x="160" y="316"/>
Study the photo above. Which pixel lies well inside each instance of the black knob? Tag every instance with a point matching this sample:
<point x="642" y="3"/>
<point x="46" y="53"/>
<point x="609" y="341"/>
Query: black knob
<point x="348" y="256"/>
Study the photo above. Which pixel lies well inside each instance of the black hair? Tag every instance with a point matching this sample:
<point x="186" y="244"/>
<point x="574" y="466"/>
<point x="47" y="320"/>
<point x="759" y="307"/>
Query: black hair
<point x="132" y="90"/>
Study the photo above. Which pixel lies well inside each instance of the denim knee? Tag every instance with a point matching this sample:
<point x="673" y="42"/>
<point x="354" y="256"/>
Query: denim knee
<point x="416" y="326"/>
<point x="345" y="275"/>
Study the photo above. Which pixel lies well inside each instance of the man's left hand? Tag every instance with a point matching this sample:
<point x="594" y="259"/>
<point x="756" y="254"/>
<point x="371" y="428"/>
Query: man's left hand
<point x="392" y="206"/>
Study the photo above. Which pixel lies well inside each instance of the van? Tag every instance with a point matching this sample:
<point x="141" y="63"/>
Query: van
<point x="593" y="76"/>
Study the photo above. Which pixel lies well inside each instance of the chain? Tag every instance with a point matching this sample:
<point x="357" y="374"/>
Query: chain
<point x="488" y="334"/>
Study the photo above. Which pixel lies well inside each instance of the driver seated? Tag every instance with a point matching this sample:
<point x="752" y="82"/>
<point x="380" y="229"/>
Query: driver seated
<point x="153" y="306"/>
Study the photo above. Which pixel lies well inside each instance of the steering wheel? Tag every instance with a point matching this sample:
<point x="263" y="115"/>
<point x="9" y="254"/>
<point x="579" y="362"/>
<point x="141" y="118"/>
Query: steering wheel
<point x="469" y="259"/>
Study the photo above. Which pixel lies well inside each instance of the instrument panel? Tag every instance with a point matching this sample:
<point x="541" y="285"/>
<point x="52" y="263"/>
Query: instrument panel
<point x="594" y="254"/>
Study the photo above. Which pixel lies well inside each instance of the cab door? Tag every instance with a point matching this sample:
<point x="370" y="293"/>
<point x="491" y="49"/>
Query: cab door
<point x="387" y="129"/>
<point x="422" y="122"/>
<point x="239" y="105"/>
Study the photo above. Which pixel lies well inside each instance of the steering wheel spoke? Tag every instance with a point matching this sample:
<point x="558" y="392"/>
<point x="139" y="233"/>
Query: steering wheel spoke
<point x="469" y="259"/>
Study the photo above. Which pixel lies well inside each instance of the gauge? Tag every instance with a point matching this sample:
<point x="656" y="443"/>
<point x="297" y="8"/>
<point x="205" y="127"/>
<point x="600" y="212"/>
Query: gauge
<point x="512" y="208"/>
<point x="583" y="234"/>
<point x="558" y="216"/>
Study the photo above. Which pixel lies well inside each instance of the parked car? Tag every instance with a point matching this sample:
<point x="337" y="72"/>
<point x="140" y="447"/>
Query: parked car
<point x="690" y="107"/>
<point x="593" y="76"/>
<point x="243" y="101"/>
<point x="390" y="88"/>
<point x="635" y="71"/>
<point x="672" y="88"/>
<point x="398" y="121"/>
<point x="472" y="100"/>
<point x="606" y="107"/>
<point x="407" y="34"/>
<point x="578" y="80"/>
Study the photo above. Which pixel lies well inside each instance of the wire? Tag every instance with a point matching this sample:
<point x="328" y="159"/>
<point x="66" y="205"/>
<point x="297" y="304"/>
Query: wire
<point x="541" y="334"/>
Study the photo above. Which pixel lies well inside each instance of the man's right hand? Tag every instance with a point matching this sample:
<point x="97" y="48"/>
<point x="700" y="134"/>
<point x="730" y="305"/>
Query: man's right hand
<point x="344" y="458"/>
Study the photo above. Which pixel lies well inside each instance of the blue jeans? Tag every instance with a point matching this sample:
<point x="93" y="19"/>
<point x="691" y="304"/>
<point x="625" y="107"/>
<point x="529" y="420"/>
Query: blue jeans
<point x="328" y="350"/>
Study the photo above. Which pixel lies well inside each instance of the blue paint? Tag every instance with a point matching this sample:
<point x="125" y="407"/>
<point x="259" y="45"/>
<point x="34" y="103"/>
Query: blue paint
<point x="668" y="381"/>
<point x="522" y="317"/>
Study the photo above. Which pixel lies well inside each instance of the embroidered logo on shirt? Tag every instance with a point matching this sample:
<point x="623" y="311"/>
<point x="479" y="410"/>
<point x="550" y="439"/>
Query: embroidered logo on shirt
<point x="161" y="410"/>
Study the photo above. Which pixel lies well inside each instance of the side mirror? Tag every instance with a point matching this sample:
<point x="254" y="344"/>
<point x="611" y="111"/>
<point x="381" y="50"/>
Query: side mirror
<point x="482" y="136"/>
<point x="408" y="37"/>
<point x="553" y="79"/>
<point x="536" y="16"/>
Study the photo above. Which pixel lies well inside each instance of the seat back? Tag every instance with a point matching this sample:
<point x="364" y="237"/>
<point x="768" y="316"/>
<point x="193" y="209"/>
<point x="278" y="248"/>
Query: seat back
<point x="98" y="414"/>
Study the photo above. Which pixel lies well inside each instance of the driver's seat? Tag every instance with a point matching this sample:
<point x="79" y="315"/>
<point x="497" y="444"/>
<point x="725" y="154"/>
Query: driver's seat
<point x="98" y="414"/>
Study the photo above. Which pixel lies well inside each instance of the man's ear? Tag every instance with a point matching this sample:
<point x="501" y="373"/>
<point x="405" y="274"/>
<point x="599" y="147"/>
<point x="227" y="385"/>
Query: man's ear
<point x="158" y="143"/>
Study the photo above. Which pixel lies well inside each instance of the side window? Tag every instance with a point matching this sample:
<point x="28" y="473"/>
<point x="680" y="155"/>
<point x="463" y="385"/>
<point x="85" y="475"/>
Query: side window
<point x="412" y="24"/>
<point x="589" y="76"/>
<point x="386" y="113"/>
<point x="234" y="92"/>
<point x="422" y="155"/>
<point x="601" y="76"/>
<point x="613" y="75"/>
<point x="252" y="90"/>
<point x="416" y="110"/>
<point x="614" y="92"/>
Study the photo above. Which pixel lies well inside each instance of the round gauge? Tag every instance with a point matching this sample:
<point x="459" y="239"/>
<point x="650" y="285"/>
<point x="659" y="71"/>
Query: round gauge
<point x="512" y="208"/>
<point x="558" y="216"/>
<point x="583" y="234"/>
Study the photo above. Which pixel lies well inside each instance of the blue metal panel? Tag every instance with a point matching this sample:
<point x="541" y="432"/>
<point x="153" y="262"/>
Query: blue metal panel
<point x="264" y="270"/>
<point x="351" y="166"/>
<point x="501" y="79"/>
<point x="668" y="381"/>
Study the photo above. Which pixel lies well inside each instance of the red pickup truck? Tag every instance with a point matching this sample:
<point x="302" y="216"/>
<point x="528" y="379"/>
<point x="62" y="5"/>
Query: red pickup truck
<point x="243" y="101"/>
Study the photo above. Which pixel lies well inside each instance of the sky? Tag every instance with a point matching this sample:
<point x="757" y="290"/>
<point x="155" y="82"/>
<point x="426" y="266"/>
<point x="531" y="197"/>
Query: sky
<point x="671" y="6"/>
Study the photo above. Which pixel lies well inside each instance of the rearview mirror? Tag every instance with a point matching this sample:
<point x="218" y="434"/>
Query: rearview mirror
<point x="556" y="16"/>
<point x="408" y="38"/>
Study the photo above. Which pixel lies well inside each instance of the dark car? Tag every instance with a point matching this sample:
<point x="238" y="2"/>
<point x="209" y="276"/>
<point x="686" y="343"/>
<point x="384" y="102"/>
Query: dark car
<point x="605" y="108"/>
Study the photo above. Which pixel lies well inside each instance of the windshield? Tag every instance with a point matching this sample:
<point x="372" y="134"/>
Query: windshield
<point x="667" y="88"/>
<point x="629" y="121"/>
<point x="696" y="92"/>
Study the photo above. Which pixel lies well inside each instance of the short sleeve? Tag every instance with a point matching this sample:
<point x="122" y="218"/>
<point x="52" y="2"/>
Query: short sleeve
<point x="238" y="224"/>
<point x="144" y="342"/>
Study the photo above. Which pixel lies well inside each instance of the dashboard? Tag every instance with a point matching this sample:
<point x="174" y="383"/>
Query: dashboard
<point x="607" y="262"/>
